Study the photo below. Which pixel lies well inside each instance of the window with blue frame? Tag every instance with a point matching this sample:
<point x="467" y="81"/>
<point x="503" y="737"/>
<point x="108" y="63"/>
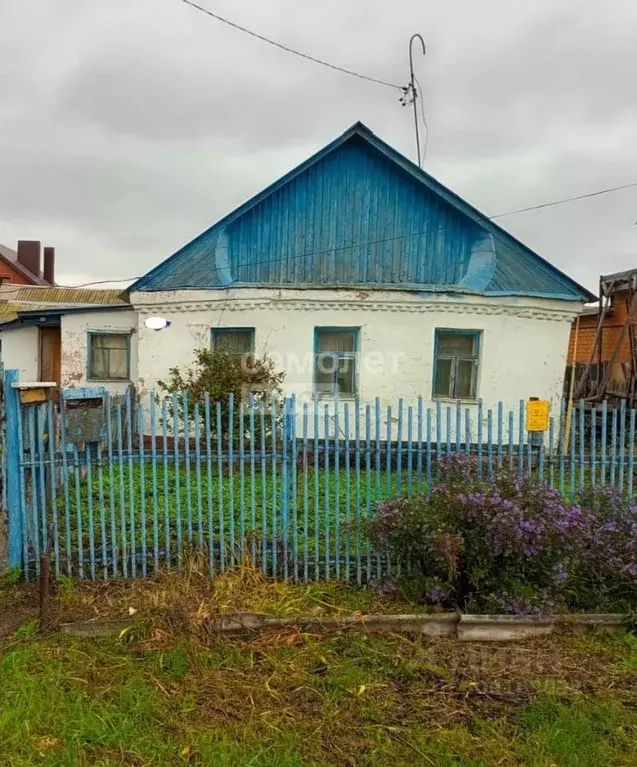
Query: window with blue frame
<point x="235" y="341"/>
<point x="456" y="359"/>
<point x="108" y="356"/>
<point x="336" y="361"/>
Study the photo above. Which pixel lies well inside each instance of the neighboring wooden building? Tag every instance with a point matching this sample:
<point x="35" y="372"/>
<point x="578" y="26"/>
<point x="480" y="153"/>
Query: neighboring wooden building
<point x="603" y="349"/>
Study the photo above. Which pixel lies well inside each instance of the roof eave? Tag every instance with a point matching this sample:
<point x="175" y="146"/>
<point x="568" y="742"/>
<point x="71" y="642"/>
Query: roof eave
<point x="397" y="287"/>
<point x="34" y="317"/>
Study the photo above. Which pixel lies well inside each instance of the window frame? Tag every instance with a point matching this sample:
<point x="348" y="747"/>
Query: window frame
<point x="354" y="355"/>
<point x="91" y="334"/>
<point x="224" y="331"/>
<point x="476" y="358"/>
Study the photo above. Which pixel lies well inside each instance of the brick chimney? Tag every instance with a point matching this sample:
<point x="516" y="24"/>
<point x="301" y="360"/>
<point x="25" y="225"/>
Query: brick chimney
<point x="29" y="255"/>
<point x="49" y="265"/>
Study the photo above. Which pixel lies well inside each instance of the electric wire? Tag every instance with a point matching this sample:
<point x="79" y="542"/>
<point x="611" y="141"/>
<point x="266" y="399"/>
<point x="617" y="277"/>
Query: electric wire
<point x="286" y="48"/>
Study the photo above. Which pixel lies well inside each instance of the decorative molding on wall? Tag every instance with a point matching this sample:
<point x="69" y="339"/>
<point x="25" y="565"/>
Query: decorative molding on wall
<point x="363" y="304"/>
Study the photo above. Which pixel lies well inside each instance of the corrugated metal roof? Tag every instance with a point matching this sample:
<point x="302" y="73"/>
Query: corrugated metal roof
<point x="16" y="299"/>
<point x="60" y="295"/>
<point x="8" y="312"/>
<point x="358" y="213"/>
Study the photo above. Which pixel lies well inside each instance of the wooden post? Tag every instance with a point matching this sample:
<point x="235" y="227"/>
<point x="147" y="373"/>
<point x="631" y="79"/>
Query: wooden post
<point x="569" y="404"/>
<point x="597" y="344"/>
<point x="618" y="345"/>
<point x="45" y="584"/>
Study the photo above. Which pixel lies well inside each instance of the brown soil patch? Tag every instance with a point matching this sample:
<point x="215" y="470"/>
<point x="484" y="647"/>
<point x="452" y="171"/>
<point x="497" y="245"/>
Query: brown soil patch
<point x="17" y="604"/>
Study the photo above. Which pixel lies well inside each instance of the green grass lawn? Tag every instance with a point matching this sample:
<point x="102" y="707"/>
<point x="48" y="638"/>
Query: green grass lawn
<point x="125" y="513"/>
<point x="320" y="515"/>
<point x="171" y="695"/>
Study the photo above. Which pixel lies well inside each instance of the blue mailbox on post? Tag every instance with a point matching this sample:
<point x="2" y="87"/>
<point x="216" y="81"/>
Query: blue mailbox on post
<point x="84" y="414"/>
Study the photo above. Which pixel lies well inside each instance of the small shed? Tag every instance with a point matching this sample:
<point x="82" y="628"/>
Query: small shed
<point x="69" y="336"/>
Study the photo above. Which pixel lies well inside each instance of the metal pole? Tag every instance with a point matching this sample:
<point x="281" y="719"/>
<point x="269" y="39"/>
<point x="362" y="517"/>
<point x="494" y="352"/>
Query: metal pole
<point x="414" y="92"/>
<point x="12" y="473"/>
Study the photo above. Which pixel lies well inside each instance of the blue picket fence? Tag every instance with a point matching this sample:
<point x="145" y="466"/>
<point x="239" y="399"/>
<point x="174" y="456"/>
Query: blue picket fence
<point x="288" y="485"/>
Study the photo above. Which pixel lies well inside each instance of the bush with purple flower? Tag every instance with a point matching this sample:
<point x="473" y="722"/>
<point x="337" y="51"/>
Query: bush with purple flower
<point x="512" y="543"/>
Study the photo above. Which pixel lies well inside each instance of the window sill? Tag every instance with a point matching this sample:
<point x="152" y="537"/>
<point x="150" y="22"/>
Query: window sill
<point x="108" y="380"/>
<point x="339" y="398"/>
<point x="453" y="401"/>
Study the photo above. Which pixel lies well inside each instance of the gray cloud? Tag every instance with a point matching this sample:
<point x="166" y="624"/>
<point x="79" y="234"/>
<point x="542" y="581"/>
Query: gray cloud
<point x="127" y="127"/>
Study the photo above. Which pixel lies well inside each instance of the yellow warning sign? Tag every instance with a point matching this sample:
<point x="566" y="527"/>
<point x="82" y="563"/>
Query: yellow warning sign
<point x="537" y="415"/>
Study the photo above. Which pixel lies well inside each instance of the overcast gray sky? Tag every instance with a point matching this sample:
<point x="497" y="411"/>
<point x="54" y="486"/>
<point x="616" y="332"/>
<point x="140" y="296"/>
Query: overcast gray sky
<point x="129" y="126"/>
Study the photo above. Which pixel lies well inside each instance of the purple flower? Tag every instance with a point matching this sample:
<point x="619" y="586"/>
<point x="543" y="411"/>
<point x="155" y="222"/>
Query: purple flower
<point x="383" y="588"/>
<point x="559" y="573"/>
<point x="631" y="569"/>
<point x="608" y="527"/>
<point x="511" y="537"/>
<point x="435" y="594"/>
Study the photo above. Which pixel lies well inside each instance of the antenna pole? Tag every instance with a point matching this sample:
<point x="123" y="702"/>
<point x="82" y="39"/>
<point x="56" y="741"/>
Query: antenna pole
<point x="414" y="92"/>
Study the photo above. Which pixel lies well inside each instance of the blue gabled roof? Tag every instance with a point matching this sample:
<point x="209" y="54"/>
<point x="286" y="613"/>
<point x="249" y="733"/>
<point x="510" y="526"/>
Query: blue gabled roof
<point x="358" y="213"/>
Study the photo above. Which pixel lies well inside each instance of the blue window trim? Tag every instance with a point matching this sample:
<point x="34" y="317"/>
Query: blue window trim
<point x="477" y="334"/>
<point x="355" y="329"/>
<point x="89" y="338"/>
<point x="222" y="331"/>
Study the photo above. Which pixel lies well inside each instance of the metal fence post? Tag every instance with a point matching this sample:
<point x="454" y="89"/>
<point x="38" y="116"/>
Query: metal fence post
<point x="12" y="474"/>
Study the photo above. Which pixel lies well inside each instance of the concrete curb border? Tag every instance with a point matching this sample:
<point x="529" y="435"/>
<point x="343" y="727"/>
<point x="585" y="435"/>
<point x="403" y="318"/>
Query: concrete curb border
<point x="466" y="628"/>
<point x="91" y="629"/>
<point x="430" y="625"/>
<point x="503" y="628"/>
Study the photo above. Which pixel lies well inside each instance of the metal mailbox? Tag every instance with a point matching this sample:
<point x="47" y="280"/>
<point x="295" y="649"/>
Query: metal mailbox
<point x="85" y="415"/>
<point x="537" y="420"/>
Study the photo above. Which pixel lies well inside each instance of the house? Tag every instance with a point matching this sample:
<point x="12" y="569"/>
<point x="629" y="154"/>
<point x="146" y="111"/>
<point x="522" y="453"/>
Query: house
<point x="71" y="336"/>
<point x="26" y="266"/>
<point x="361" y="274"/>
<point x="602" y="346"/>
<point x="357" y="272"/>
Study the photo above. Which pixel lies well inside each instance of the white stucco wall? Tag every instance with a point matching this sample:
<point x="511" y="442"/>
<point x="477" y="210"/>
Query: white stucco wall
<point x="21" y="351"/>
<point x="75" y="328"/>
<point x="523" y="348"/>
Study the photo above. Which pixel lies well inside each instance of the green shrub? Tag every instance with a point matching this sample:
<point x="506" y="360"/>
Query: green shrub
<point x="12" y="576"/>
<point x="224" y="378"/>
<point x="512" y="543"/>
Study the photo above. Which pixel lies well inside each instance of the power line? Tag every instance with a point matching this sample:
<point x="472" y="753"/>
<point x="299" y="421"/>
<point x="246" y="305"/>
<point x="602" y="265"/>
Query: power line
<point x="98" y="282"/>
<point x="288" y="49"/>
<point x="566" y="199"/>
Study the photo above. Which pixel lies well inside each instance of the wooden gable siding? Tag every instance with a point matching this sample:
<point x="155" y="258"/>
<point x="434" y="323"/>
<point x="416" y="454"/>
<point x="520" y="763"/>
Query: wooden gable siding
<point x="9" y="274"/>
<point x="611" y="330"/>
